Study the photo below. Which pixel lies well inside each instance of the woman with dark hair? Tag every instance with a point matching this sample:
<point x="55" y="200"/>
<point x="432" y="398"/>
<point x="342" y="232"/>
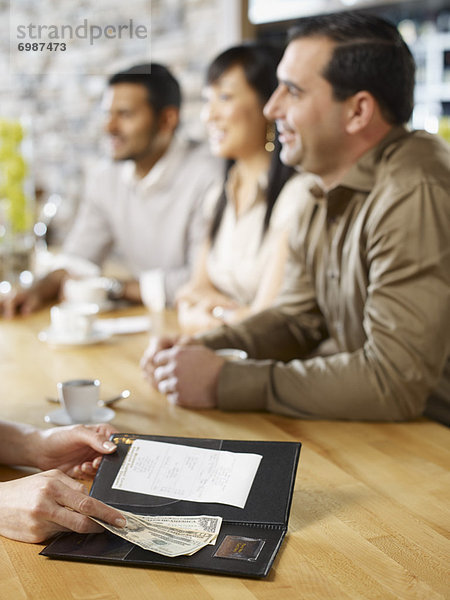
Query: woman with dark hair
<point x="240" y="268"/>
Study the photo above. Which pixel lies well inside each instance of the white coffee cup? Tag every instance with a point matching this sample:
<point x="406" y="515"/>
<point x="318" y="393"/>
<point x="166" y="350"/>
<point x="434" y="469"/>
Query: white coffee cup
<point x="72" y="322"/>
<point x="232" y="354"/>
<point x="79" y="398"/>
<point x="89" y="290"/>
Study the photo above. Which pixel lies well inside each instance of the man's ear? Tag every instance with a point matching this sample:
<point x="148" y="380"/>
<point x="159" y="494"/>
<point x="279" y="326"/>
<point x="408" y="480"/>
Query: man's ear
<point x="168" y="119"/>
<point x="360" y="111"/>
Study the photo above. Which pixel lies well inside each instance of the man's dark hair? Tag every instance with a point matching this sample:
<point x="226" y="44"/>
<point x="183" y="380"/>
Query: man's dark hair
<point x="162" y="87"/>
<point x="370" y="55"/>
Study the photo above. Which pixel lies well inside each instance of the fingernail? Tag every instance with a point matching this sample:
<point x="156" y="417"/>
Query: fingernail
<point x="109" y="446"/>
<point x="120" y="522"/>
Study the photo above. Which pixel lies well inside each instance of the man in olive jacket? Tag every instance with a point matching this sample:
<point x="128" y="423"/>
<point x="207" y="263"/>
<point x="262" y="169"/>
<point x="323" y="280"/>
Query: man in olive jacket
<point x="361" y="328"/>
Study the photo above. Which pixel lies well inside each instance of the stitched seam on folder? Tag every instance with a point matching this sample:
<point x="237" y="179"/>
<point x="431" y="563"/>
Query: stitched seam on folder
<point x="278" y="526"/>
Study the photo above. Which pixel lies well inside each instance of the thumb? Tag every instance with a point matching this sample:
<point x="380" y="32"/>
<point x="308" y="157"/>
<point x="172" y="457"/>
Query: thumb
<point x="97" y="441"/>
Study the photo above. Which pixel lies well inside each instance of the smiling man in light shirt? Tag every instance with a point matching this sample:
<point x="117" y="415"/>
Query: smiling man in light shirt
<point x="145" y="204"/>
<point x="369" y="270"/>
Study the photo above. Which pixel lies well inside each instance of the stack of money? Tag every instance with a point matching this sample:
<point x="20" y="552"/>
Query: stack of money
<point x="168" y="535"/>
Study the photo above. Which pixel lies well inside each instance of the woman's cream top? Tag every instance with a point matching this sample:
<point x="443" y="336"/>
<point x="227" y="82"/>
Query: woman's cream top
<point x="239" y="254"/>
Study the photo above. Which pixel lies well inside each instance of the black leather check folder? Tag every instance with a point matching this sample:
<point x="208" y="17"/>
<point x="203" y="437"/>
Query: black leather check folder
<point x="249" y="538"/>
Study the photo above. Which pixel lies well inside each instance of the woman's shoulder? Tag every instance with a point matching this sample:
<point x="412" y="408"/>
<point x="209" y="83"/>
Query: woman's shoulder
<point x="210" y="200"/>
<point x="294" y="198"/>
<point x="299" y="183"/>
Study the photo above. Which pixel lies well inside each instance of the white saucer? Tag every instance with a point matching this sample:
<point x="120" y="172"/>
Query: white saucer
<point x="106" y="306"/>
<point x="49" y="336"/>
<point x="102" y="414"/>
<point x="97" y="307"/>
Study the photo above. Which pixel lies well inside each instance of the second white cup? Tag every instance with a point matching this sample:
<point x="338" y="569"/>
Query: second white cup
<point x="79" y="397"/>
<point x="73" y="323"/>
<point x="90" y="290"/>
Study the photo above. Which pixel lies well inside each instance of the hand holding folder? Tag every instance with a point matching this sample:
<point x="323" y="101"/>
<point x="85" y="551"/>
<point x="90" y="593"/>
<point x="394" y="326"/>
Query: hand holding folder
<point x="249" y="538"/>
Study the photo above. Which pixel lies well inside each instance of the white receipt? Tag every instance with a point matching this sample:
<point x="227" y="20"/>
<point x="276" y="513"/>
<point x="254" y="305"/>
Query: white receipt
<point x="187" y="473"/>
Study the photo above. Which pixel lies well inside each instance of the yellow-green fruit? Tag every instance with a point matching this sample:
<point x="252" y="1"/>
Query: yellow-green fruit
<point x="11" y="130"/>
<point x="14" y="168"/>
<point x="7" y="150"/>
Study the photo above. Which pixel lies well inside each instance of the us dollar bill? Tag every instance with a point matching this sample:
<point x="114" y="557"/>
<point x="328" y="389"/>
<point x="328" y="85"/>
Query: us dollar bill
<point x="161" y="538"/>
<point x="208" y="523"/>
